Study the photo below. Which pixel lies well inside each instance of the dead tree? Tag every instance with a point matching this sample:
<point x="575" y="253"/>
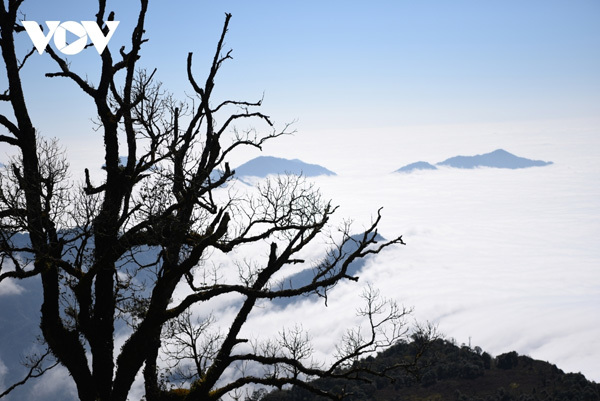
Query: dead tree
<point x="89" y="243"/>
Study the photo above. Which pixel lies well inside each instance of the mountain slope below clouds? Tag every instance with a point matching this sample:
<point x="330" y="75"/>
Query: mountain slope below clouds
<point x="263" y="166"/>
<point x="448" y="372"/>
<point x="306" y="276"/>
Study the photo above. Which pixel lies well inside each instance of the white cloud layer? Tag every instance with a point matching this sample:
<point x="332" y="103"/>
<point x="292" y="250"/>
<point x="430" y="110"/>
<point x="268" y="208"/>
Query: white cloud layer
<point x="10" y="287"/>
<point x="55" y="382"/>
<point x="3" y="371"/>
<point x="506" y="258"/>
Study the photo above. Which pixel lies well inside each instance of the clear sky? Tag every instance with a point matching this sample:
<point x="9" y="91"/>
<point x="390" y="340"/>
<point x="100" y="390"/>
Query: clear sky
<point x="349" y="64"/>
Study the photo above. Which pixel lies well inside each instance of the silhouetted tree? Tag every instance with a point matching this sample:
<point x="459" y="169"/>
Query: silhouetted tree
<point x="487" y="360"/>
<point x="508" y="360"/>
<point x="119" y="248"/>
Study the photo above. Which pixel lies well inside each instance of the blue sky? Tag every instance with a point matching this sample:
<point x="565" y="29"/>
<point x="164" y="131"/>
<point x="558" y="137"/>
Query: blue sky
<point x="388" y="63"/>
<point x="373" y="64"/>
<point x="356" y="77"/>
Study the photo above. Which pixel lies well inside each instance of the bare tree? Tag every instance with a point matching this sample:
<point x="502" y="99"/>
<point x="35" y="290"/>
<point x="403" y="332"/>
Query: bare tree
<point x="119" y="248"/>
<point x="190" y="346"/>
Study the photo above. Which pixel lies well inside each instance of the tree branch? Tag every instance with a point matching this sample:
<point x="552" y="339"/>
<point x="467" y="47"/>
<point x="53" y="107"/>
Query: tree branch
<point x="35" y="370"/>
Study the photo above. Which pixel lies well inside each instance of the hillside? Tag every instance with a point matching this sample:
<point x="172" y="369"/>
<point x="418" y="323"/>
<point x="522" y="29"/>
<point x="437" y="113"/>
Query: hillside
<point x="450" y="372"/>
<point x="265" y="165"/>
<point x="306" y="276"/>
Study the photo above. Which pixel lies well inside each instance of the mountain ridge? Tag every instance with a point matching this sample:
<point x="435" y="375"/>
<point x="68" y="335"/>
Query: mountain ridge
<point x="263" y="166"/>
<point x="498" y="158"/>
<point x="446" y="371"/>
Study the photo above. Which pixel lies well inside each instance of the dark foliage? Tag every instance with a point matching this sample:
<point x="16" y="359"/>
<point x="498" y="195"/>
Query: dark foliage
<point x="449" y="372"/>
<point x="508" y="360"/>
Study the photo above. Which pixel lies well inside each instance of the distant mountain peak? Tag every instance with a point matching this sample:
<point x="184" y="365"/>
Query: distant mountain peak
<point x="499" y="152"/>
<point x="263" y="166"/>
<point x="416" y="166"/>
<point x="499" y="158"/>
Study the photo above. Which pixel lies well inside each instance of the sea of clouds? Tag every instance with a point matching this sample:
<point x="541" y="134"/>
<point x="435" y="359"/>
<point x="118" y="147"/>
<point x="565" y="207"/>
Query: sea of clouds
<point x="498" y="258"/>
<point x="502" y="259"/>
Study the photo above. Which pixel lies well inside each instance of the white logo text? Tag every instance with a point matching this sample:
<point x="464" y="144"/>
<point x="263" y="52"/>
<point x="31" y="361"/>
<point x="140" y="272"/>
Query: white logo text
<point x="59" y="30"/>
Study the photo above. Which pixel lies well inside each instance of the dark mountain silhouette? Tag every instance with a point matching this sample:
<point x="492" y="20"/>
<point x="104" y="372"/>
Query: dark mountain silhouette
<point x="499" y="158"/>
<point x="265" y="165"/>
<point x="306" y="276"/>
<point x="449" y="372"/>
<point x="416" y="166"/>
